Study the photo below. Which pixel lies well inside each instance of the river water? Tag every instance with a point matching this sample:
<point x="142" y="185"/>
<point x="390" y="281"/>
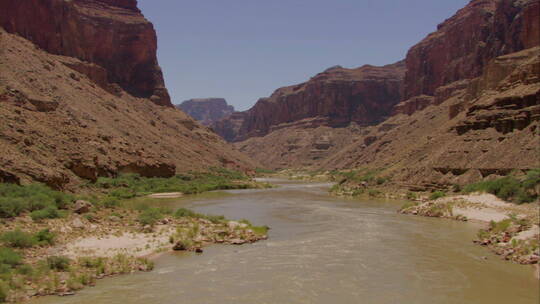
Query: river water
<point x="323" y="249"/>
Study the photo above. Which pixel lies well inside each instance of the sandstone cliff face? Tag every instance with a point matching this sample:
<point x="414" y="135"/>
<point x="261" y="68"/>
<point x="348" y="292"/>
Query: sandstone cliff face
<point x="471" y="108"/>
<point x="365" y="95"/>
<point x="111" y="38"/>
<point x="466" y="42"/>
<point x="490" y="128"/>
<point x="206" y="110"/>
<point x="63" y="122"/>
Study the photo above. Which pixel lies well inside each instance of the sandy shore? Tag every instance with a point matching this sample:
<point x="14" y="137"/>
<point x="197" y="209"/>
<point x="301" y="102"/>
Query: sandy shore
<point x="136" y="244"/>
<point x="487" y="207"/>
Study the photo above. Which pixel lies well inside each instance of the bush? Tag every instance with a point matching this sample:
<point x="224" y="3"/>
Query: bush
<point x="381" y="180"/>
<point x="110" y="202"/>
<point x="436" y="195"/>
<point x="45" y="237"/>
<point x="408" y="205"/>
<point x="216" y="219"/>
<point x="4" y="290"/>
<point x="412" y="195"/>
<point x="9" y="257"/>
<point x="25" y="269"/>
<point x="183" y="212"/>
<point x="12" y="207"/>
<point x="15" y="199"/>
<point x="150" y="216"/>
<point x="59" y="263"/>
<point x="50" y="212"/>
<point x="18" y="239"/>
<point x="509" y="188"/>
<point x="131" y="185"/>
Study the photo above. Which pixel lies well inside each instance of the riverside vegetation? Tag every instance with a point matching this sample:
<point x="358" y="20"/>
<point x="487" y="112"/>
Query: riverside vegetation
<point x="40" y="227"/>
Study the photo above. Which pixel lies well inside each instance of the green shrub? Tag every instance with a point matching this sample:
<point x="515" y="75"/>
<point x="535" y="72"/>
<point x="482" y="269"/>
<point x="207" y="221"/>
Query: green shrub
<point x="264" y="171"/>
<point x="381" y="180"/>
<point x="216" y="219"/>
<point x="509" y="188"/>
<point x="436" y="195"/>
<point x="50" y="212"/>
<point x="408" y="205"/>
<point x="45" y="237"/>
<point x="18" y="239"/>
<point x="58" y="263"/>
<point x="12" y="206"/>
<point x="183" y="212"/>
<point x="150" y="216"/>
<point x="500" y="226"/>
<point x="131" y="185"/>
<point x="412" y="195"/>
<point x="9" y="257"/>
<point x="4" y="291"/>
<point x="92" y="262"/>
<point x="15" y="199"/>
<point x="25" y="269"/>
<point x="456" y="188"/>
<point x="260" y="230"/>
<point x="110" y="202"/>
<point x="532" y="179"/>
<point x="122" y="193"/>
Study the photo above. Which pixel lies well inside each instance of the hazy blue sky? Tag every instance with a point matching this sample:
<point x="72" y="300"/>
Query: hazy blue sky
<point x="245" y="49"/>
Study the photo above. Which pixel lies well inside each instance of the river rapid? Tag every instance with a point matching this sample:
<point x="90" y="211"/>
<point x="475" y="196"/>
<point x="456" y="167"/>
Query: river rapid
<point x="322" y="249"/>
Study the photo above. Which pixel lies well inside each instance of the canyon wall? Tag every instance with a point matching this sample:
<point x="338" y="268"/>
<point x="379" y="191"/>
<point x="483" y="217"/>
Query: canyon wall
<point x="471" y="107"/>
<point x="82" y="96"/>
<point x="365" y="96"/>
<point x="112" y="34"/>
<point x="464" y="44"/>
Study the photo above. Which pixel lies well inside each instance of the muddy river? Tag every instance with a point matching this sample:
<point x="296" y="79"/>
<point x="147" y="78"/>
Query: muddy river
<point x="323" y="249"/>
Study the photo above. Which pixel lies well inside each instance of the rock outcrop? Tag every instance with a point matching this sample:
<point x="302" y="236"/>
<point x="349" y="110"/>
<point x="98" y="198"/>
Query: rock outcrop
<point x="464" y="44"/>
<point x="111" y="38"/>
<point x="365" y="96"/>
<point x="206" y="110"/>
<point x="486" y="130"/>
<point x="70" y="100"/>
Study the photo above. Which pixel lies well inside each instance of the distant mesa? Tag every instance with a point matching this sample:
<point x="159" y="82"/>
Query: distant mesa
<point x="206" y="110"/>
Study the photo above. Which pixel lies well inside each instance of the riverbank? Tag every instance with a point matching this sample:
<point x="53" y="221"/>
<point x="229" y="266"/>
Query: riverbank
<point x="511" y="231"/>
<point x="55" y="243"/>
<point x="508" y="207"/>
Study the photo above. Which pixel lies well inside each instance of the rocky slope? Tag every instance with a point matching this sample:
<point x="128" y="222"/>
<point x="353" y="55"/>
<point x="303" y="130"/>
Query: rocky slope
<point x="338" y="96"/>
<point x="206" y="110"/>
<point x="70" y="99"/>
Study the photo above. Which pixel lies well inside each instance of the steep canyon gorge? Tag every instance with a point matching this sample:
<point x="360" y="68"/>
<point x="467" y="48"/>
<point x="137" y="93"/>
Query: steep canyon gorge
<point x="462" y="106"/>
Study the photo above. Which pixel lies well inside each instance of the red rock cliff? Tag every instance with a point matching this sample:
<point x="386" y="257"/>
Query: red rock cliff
<point x="110" y="33"/>
<point x="365" y="95"/>
<point x="466" y="42"/>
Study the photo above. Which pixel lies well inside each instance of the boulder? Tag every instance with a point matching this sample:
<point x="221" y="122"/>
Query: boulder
<point x="77" y="223"/>
<point x="82" y="206"/>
